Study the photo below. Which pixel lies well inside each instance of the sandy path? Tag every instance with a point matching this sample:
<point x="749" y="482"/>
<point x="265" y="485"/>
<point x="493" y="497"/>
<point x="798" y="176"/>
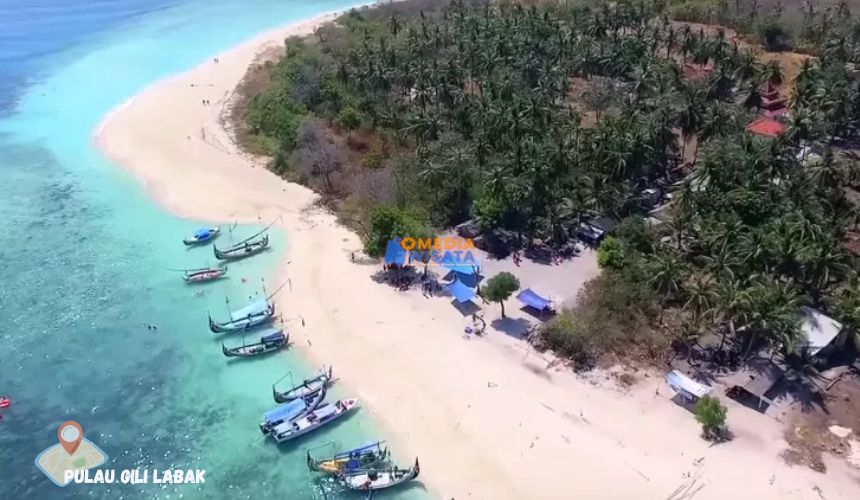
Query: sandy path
<point x="486" y="418"/>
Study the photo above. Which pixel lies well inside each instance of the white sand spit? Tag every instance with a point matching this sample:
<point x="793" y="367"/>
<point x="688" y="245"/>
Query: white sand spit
<point x="484" y="416"/>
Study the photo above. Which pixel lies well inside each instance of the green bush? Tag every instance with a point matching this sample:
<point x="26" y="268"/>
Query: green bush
<point x="611" y="253"/>
<point x="372" y="160"/>
<point x="389" y="222"/>
<point x="712" y="415"/>
<point x="349" y="118"/>
<point x="773" y="34"/>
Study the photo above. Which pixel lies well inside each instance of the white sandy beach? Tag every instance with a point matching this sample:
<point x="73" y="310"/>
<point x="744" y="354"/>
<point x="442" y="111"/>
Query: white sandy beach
<point x="484" y="416"/>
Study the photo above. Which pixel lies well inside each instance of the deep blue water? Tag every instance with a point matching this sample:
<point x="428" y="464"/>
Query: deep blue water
<point x="85" y="259"/>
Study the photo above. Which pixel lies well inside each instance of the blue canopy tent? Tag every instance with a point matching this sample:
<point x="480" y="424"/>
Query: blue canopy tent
<point x="464" y="268"/>
<point x="530" y="298"/>
<point x="461" y="292"/>
<point x="394" y="253"/>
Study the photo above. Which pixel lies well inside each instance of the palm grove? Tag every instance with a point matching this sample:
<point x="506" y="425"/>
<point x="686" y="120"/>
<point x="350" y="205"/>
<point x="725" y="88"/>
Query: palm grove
<point x="417" y="116"/>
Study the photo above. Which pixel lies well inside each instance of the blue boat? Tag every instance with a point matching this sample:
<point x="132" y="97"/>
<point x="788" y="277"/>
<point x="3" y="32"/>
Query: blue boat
<point x="255" y="314"/>
<point x="288" y="412"/>
<point x="202" y="236"/>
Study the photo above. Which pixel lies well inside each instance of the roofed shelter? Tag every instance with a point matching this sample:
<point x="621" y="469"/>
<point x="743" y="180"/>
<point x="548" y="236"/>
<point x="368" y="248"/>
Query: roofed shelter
<point x="817" y="330"/>
<point x="752" y="384"/>
<point x="687" y="389"/>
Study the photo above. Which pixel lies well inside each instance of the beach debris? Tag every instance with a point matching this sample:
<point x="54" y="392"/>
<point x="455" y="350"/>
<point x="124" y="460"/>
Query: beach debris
<point x="818" y="490"/>
<point x="492" y="384"/>
<point x="772" y="478"/>
<point x="839" y="430"/>
<point x="548" y="407"/>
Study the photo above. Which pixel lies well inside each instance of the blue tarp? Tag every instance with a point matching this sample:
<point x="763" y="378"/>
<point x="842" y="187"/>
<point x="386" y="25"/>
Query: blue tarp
<point x="202" y="234"/>
<point x="461" y="292"/>
<point x="285" y="411"/>
<point x="532" y="299"/>
<point x="467" y="268"/>
<point x="394" y="253"/>
<point x="252" y="309"/>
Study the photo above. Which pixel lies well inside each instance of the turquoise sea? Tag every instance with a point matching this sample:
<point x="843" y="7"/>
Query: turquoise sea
<point x="85" y="258"/>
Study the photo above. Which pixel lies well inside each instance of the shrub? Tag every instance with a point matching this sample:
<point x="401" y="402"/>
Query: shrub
<point x="712" y="415"/>
<point x="372" y="160"/>
<point x="349" y="118"/>
<point x="389" y="222"/>
<point x="773" y="34"/>
<point x="610" y="254"/>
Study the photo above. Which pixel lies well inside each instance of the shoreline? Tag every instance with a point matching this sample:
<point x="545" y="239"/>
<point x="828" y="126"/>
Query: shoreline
<point x="485" y="419"/>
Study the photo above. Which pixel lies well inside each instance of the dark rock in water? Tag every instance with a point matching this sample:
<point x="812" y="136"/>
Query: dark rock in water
<point x="468" y="229"/>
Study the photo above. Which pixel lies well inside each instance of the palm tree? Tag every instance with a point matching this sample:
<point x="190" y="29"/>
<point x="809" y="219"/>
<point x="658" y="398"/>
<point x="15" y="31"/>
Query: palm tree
<point x="701" y="297"/>
<point x="771" y="74"/>
<point x="666" y="275"/>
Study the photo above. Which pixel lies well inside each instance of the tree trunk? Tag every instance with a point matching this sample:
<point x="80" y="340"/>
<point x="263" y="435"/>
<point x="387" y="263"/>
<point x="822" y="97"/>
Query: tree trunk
<point x="502" y="303"/>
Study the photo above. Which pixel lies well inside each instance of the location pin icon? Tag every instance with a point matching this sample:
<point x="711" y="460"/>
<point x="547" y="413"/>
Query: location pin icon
<point x="70" y="434"/>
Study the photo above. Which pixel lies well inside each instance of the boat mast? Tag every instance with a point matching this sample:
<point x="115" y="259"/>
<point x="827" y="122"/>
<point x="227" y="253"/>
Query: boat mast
<point x="258" y="233"/>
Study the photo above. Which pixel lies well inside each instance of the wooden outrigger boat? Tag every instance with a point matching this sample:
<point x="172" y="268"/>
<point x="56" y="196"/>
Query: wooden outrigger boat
<point x="308" y="387"/>
<point x="374" y="480"/>
<point x="251" y="245"/>
<point x="204" y="274"/>
<point x="369" y="456"/>
<point x="255" y="314"/>
<point x="270" y="341"/>
<point x="202" y="236"/>
<point x="289" y="412"/>
<point x="323" y="415"/>
<point x="241" y="250"/>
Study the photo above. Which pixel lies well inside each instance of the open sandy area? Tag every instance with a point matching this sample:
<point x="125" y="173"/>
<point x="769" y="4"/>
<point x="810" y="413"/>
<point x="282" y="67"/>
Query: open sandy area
<point x="485" y="416"/>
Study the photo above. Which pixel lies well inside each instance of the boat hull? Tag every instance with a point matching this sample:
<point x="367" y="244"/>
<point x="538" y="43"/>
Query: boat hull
<point x="351" y="404"/>
<point x="250" y="352"/>
<point x="205" y="275"/>
<point x="307" y="388"/>
<point x="239" y="252"/>
<point x="248" y="323"/>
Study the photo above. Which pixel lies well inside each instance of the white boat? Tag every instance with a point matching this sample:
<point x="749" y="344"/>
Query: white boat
<point x="373" y="479"/>
<point x="323" y="415"/>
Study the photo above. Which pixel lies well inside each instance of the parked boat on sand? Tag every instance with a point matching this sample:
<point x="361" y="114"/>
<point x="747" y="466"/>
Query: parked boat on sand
<point x="308" y="387"/>
<point x="323" y="415"/>
<point x="374" y="480"/>
<point x="253" y="315"/>
<point x="288" y="412"/>
<point x="241" y="250"/>
<point x="270" y="341"/>
<point x="369" y="456"/>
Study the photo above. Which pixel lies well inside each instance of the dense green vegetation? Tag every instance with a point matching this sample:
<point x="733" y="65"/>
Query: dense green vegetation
<point x="812" y="26"/>
<point x="415" y="115"/>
